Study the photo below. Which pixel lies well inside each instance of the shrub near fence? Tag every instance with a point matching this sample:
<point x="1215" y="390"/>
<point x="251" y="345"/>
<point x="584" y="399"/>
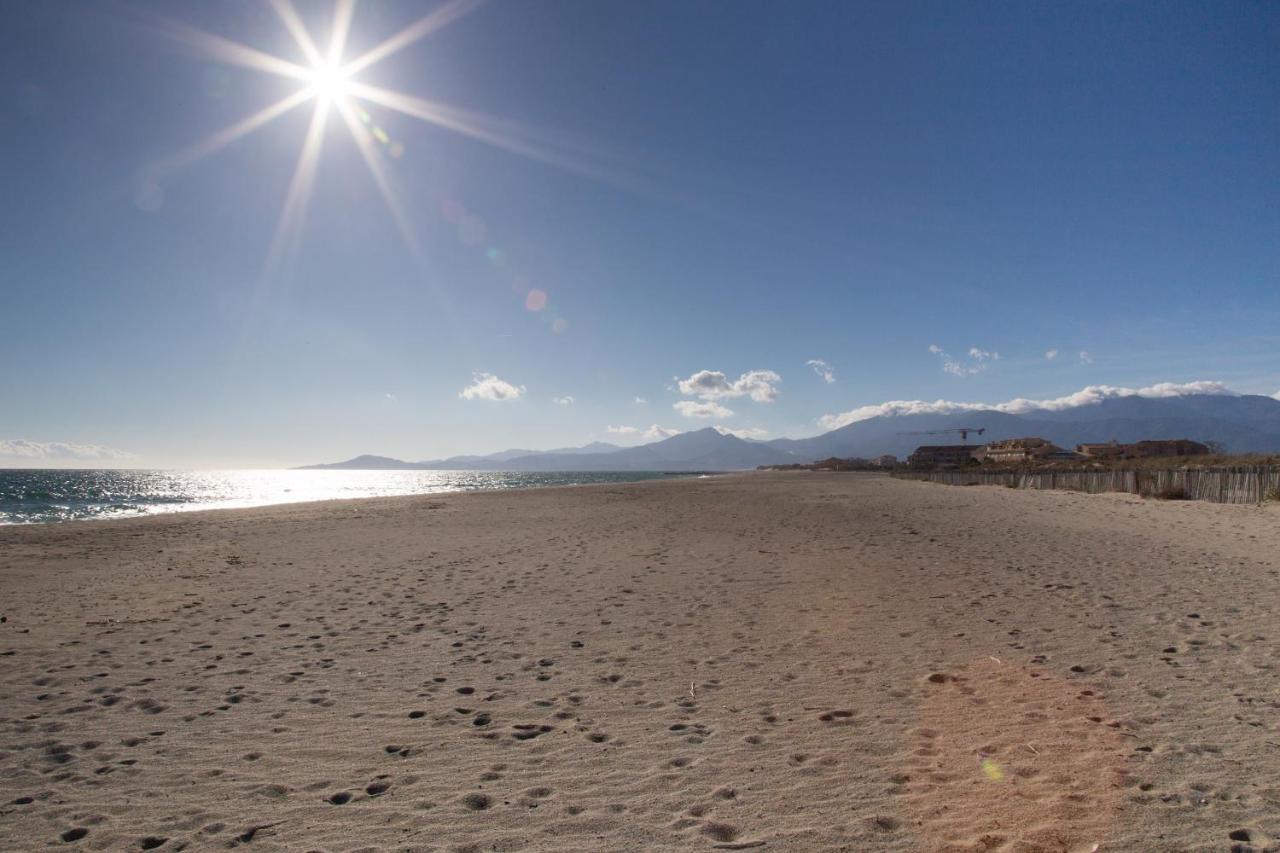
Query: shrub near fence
<point x="1243" y="484"/>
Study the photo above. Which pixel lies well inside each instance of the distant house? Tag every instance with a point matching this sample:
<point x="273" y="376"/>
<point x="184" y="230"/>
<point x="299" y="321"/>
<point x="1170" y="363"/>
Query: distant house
<point x="1142" y="449"/>
<point x="1168" y="447"/>
<point x="1017" y="450"/>
<point x="1110" y="450"/>
<point x="943" y="455"/>
<point x="888" y="460"/>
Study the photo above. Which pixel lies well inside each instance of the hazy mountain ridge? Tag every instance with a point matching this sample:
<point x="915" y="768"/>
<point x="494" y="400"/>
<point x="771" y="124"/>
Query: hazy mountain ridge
<point x="1242" y="424"/>
<point x="700" y="450"/>
<point x="490" y="461"/>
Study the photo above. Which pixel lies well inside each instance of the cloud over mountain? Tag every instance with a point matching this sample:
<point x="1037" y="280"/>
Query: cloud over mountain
<point x="744" y="432"/>
<point x="1090" y="395"/>
<point x="702" y="409"/>
<point x="653" y="432"/>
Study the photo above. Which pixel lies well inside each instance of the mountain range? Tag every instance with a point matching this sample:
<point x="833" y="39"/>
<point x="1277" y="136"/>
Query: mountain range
<point x="1239" y="423"/>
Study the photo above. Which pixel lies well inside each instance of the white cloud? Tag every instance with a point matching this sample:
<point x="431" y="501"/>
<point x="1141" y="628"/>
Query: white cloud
<point x="59" y="451"/>
<point x="1092" y="395"/>
<point x="652" y="433"/>
<point x="390" y="396"/>
<point x="979" y="360"/>
<point x="714" y="385"/>
<point x="1085" y="358"/>
<point x="655" y="432"/>
<point x="704" y="409"/>
<point x="566" y="400"/>
<point x="641" y="401"/>
<point x="1051" y="354"/>
<point x="486" y="386"/>
<point x="746" y="432"/>
<point x="823" y="369"/>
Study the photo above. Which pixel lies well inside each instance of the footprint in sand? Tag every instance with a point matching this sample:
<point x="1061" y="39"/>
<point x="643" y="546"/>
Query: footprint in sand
<point x="477" y="802"/>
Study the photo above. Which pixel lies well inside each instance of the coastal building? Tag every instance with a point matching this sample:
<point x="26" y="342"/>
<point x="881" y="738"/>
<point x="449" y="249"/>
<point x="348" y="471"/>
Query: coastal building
<point x="1167" y="447"/>
<point x="888" y="460"/>
<point x="1142" y="449"/>
<point x="1017" y="450"/>
<point x="1111" y="450"/>
<point x="943" y="455"/>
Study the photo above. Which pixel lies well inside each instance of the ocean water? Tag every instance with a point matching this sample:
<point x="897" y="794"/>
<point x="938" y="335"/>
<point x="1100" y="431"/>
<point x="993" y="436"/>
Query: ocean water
<point x="42" y="496"/>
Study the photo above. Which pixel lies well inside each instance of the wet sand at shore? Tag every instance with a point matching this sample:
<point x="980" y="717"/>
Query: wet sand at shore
<point x="773" y="661"/>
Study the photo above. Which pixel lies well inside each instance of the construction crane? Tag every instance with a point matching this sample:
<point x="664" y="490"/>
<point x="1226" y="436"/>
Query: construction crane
<point x="964" y="432"/>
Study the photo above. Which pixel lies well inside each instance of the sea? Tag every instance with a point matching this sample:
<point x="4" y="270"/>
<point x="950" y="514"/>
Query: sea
<point x="42" y="496"/>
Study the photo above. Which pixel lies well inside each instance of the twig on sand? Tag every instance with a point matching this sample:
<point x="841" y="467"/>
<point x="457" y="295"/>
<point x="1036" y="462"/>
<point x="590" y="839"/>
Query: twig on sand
<point x="739" y="845"/>
<point x="1032" y="748"/>
<point x="247" y="836"/>
<point x="693" y="694"/>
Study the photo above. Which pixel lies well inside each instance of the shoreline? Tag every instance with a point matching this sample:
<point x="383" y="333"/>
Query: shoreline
<point x="793" y="662"/>
<point x="194" y="507"/>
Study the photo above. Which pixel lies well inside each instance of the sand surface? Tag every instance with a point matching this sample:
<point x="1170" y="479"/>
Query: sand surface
<point x="767" y="661"/>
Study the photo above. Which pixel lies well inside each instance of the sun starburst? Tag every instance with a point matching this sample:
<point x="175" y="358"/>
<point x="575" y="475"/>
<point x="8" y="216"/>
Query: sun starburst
<point x="330" y="83"/>
<point x="327" y="82"/>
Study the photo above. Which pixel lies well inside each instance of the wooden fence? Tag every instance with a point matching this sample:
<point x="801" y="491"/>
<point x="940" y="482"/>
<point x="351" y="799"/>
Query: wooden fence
<point x="1243" y="484"/>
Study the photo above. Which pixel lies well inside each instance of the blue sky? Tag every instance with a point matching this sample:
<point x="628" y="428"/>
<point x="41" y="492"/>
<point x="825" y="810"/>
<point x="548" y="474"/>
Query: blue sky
<point x="901" y="190"/>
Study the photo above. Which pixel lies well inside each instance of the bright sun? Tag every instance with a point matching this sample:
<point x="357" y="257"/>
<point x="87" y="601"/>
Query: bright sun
<point x="328" y="80"/>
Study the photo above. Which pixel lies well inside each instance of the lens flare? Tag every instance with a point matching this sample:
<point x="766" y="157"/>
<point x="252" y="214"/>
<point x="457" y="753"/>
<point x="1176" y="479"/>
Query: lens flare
<point x="536" y="300"/>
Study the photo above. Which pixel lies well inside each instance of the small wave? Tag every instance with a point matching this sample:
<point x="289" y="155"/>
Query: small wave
<point x="43" y="496"/>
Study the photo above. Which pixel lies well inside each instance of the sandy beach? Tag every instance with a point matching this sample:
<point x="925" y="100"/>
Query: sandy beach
<point x="765" y="661"/>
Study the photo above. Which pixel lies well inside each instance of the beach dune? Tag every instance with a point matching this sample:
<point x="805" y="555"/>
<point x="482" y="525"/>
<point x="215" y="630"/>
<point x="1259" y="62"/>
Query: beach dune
<point x="790" y="661"/>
